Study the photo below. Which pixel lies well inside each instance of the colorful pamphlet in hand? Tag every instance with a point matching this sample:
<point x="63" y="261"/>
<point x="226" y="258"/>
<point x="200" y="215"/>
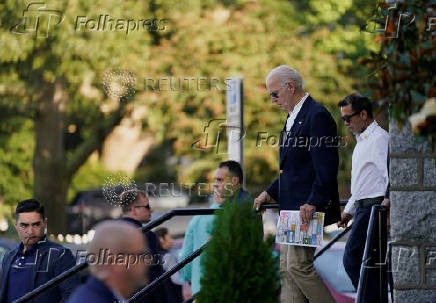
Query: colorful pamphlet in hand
<point x="291" y="231"/>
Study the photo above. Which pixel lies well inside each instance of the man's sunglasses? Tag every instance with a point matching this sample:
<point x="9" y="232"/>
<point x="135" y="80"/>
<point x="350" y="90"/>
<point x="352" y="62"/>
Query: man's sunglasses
<point x="347" y="118"/>
<point x="274" y="95"/>
<point x="145" y="206"/>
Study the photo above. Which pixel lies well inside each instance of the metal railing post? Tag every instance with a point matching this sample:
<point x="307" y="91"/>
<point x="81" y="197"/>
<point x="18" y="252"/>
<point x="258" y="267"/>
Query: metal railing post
<point x="374" y="265"/>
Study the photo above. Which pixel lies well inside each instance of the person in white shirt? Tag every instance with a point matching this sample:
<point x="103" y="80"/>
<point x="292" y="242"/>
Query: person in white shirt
<point x="369" y="180"/>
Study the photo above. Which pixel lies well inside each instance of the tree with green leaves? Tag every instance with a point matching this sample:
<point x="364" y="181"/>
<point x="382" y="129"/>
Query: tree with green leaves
<point x="51" y="74"/>
<point x="54" y="113"/>
<point x="239" y="266"/>
<point x="402" y="69"/>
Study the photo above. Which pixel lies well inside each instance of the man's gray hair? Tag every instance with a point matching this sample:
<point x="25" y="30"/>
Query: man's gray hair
<point x="286" y="74"/>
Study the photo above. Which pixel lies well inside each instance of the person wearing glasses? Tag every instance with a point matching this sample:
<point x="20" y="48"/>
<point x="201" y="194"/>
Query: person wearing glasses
<point x="369" y="183"/>
<point x="36" y="260"/>
<point x="307" y="180"/>
<point x="137" y="211"/>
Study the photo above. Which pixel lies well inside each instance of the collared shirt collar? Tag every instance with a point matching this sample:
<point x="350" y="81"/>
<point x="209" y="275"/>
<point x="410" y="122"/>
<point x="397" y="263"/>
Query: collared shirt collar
<point x="368" y="131"/>
<point x="215" y="204"/>
<point x="32" y="248"/>
<point x="298" y="106"/>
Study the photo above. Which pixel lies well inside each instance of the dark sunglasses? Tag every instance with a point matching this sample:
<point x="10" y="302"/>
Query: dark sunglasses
<point x="145" y="206"/>
<point x="347" y="118"/>
<point x="274" y="94"/>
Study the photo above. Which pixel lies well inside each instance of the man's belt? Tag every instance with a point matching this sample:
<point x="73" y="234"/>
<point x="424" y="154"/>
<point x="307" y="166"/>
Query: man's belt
<point x="368" y="201"/>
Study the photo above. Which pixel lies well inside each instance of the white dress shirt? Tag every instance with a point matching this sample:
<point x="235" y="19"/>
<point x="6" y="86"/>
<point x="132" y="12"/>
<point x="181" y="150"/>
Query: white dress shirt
<point x="293" y="114"/>
<point x="369" y="171"/>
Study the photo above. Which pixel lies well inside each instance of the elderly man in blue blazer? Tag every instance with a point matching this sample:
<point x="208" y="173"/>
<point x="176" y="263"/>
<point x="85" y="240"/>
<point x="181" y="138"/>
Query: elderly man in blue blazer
<point x="36" y="260"/>
<point x="307" y="181"/>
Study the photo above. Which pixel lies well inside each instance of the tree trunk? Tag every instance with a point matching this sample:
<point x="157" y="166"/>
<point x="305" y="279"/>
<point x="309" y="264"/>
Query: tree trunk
<point x="51" y="168"/>
<point x="51" y="180"/>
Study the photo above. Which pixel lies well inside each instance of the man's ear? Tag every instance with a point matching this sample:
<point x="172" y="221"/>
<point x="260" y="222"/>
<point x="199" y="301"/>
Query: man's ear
<point x="364" y="114"/>
<point x="235" y="180"/>
<point x="289" y="85"/>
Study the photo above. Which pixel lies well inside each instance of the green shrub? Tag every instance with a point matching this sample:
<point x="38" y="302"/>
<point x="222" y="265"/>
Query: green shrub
<point x="238" y="265"/>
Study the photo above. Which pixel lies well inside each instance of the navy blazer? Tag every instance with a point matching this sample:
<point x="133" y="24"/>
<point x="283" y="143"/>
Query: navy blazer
<point x="308" y="163"/>
<point x="52" y="259"/>
<point x="93" y="291"/>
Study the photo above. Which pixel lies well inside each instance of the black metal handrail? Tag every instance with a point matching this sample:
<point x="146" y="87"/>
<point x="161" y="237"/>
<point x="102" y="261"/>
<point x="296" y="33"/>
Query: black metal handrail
<point x="374" y="257"/>
<point x="79" y="267"/>
<point x="321" y="251"/>
<point x="166" y="275"/>
<point x="53" y="282"/>
<point x="178" y="212"/>
<point x="332" y="241"/>
<point x="163" y="218"/>
<point x="264" y="206"/>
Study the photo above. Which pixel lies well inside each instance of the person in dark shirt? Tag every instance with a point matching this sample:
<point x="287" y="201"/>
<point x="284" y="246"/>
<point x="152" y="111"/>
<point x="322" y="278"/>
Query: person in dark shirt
<point x="137" y="210"/>
<point x="174" y="286"/>
<point x="36" y="260"/>
<point x="119" y="268"/>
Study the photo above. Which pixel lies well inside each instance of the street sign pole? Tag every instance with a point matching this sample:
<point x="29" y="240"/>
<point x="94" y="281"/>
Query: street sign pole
<point x="235" y="120"/>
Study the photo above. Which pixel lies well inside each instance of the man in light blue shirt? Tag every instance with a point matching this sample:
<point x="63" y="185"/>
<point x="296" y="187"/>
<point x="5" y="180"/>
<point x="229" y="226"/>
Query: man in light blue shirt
<point x="227" y="188"/>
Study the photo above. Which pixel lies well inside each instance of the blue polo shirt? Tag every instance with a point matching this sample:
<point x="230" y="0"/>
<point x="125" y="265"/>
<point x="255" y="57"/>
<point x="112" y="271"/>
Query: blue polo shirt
<point x="20" y="272"/>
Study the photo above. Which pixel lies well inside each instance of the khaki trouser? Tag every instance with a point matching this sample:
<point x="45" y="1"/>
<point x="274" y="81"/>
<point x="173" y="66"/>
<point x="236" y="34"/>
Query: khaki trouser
<point x="300" y="281"/>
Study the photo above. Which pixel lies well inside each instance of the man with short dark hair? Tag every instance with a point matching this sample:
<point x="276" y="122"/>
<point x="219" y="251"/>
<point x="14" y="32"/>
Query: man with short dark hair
<point x="369" y="182"/>
<point x="36" y="260"/>
<point x="137" y="210"/>
<point x="232" y="187"/>
<point x="227" y="189"/>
